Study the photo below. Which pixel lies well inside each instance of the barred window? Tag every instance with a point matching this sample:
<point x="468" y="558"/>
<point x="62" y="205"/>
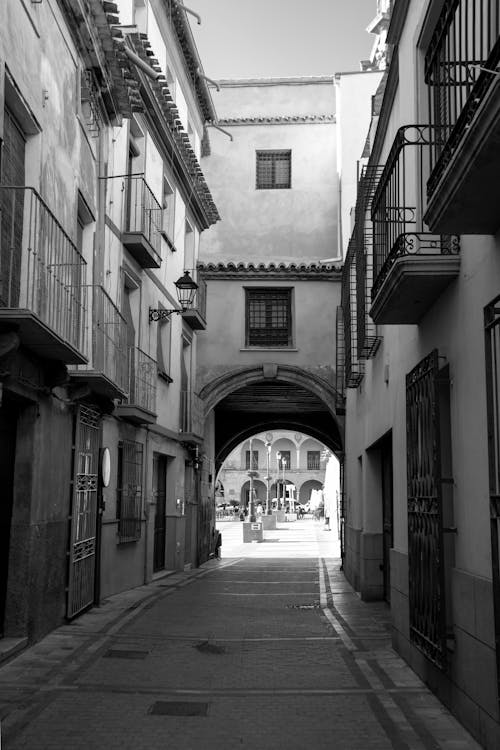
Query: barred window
<point x="274" y="170"/>
<point x="286" y="457"/>
<point x="313" y="458"/>
<point x="268" y="317"/>
<point x="129" y="490"/>
<point x="255" y="460"/>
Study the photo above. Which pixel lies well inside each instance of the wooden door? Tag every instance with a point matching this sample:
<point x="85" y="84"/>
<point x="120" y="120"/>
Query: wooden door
<point x="160" y="497"/>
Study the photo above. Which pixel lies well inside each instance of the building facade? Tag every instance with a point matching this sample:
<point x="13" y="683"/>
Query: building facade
<point x="419" y="328"/>
<point x="103" y="108"/>
<point x="275" y="459"/>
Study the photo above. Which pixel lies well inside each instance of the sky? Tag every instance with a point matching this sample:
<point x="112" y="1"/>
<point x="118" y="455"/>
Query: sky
<point x="275" y="38"/>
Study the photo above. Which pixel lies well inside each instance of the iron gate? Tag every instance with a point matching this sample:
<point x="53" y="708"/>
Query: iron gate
<point x="82" y="550"/>
<point x="425" y="512"/>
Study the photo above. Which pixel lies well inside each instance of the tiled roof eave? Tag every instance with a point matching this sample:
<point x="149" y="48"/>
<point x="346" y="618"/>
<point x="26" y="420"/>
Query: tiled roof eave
<point x="290" y="271"/>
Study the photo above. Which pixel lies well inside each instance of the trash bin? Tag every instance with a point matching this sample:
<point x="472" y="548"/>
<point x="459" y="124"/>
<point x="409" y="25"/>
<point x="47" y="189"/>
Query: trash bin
<point x="253" y="531"/>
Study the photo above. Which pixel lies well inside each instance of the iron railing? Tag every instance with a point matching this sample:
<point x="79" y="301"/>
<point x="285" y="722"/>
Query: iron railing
<point x="399" y="202"/>
<point x="142" y="212"/>
<point x="339" y="362"/>
<point x="460" y="65"/>
<point x="142" y="374"/>
<point x="41" y="268"/>
<point x="426" y="590"/>
<point x="354" y="367"/>
<point x="192" y="414"/>
<point x="368" y="338"/>
<point x="105" y="338"/>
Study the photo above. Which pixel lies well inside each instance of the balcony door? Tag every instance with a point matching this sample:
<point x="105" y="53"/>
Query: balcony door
<point x="12" y="207"/>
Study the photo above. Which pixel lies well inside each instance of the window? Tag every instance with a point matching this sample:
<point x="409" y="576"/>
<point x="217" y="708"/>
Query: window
<point x="189" y="248"/>
<point x="313" y="458"/>
<point x="274" y="170"/>
<point x="268" y="317"/>
<point x="163" y="341"/>
<point x="255" y="460"/>
<point x="129" y="490"/>
<point x="168" y="206"/>
<point x="286" y="456"/>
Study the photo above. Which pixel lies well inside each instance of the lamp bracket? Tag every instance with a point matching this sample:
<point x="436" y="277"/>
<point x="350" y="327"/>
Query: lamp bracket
<point x="155" y="315"/>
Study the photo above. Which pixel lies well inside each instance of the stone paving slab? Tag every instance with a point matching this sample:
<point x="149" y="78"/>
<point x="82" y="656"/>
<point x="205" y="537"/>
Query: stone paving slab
<point x="270" y="651"/>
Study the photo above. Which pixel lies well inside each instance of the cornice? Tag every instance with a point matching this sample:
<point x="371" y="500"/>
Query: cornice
<point x="168" y="115"/>
<point x="270" y="271"/>
<point x="280" y="120"/>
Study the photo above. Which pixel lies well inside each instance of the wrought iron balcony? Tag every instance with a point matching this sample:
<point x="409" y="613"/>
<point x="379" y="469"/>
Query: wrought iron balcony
<point x="140" y="406"/>
<point x="462" y="66"/>
<point x="339" y="362"/>
<point x="354" y="367"/>
<point x="105" y="333"/>
<point x="143" y="222"/>
<point x="368" y="339"/>
<point x="42" y="278"/>
<point x="196" y="316"/>
<point x="412" y="267"/>
<point x="192" y="420"/>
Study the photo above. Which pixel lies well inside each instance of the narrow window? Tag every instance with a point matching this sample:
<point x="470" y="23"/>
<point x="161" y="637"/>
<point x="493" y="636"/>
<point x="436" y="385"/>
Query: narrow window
<point x="255" y="460"/>
<point x="129" y="490"/>
<point x="274" y="170"/>
<point x="269" y="317"/>
<point x="313" y="459"/>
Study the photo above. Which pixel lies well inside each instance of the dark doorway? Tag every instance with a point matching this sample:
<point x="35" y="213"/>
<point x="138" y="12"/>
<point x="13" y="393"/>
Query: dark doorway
<point x="387" y="511"/>
<point x="8" y="427"/>
<point x="160" y="496"/>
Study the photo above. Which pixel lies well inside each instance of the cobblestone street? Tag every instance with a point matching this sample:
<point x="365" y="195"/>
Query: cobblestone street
<point x="267" y="648"/>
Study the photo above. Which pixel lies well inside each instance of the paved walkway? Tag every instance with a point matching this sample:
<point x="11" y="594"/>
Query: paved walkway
<point x="268" y="648"/>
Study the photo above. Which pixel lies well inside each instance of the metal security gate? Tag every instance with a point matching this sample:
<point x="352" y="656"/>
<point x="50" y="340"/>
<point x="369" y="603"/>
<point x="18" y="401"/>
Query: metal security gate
<point x="425" y="512"/>
<point x="82" y="551"/>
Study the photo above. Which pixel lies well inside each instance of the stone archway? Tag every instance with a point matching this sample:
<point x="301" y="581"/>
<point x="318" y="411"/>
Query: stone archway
<point x="264" y="397"/>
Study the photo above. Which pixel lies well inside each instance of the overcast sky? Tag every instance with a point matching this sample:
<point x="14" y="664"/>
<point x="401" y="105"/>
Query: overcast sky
<point x="271" y="38"/>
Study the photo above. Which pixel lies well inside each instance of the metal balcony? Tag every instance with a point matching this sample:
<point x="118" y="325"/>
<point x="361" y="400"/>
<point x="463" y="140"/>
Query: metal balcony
<point x="143" y="222"/>
<point x="412" y="267"/>
<point x="462" y="66"/>
<point x="106" y="372"/>
<point x="140" y="405"/>
<point x="42" y="275"/>
<point x="192" y="421"/>
<point x="196" y="316"/>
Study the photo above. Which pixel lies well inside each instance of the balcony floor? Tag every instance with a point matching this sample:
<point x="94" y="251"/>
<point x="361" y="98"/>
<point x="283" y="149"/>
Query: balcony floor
<point x="38" y="337"/>
<point x="411" y="287"/>
<point x="135" y="414"/>
<point x="98" y="382"/>
<point x="141" y="249"/>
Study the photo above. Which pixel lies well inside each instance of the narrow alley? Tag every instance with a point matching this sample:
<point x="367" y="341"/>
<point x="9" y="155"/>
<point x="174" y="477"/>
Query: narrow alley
<point x="268" y="647"/>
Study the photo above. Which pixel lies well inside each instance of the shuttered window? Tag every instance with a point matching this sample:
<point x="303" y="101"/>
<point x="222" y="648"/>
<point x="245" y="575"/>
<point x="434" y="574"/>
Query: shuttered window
<point x="129" y="490"/>
<point x="268" y="317"/>
<point x="274" y="170"/>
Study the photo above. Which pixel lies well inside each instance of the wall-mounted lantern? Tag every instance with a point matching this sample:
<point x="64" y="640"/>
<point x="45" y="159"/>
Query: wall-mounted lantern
<point x="186" y="291"/>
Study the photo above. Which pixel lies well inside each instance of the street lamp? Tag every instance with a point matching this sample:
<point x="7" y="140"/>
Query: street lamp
<point x="268" y="479"/>
<point x="186" y="290"/>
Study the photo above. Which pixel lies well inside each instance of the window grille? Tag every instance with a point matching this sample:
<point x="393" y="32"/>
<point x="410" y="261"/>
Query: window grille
<point x="368" y="339"/>
<point x="492" y="348"/>
<point x="129" y="490"/>
<point x="426" y="576"/>
<point x="268" y="317"/>
<point x="339" y="362"/>
<point x="354" y="366"/>
<point x="255" y="460"/>
<point x="274" y="170"/>
<point x="285" y="455"/>
<point x="313" y="460"/>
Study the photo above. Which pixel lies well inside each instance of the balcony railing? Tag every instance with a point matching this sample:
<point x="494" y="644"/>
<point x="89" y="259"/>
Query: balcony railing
<point x="142" y="371"/>
<point x="106" y="346"/>
<point x="339" y="362"/>
<point x="460" y="65"/>
<point x="397" y="209"/>
<point x="143" y="218"/>
<point x="42" y="275"/>
<point x="368" y="339"/>
<point x="192" y="421"/>
<point x="196" y="316"/>
<point x="354" y="367"/>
